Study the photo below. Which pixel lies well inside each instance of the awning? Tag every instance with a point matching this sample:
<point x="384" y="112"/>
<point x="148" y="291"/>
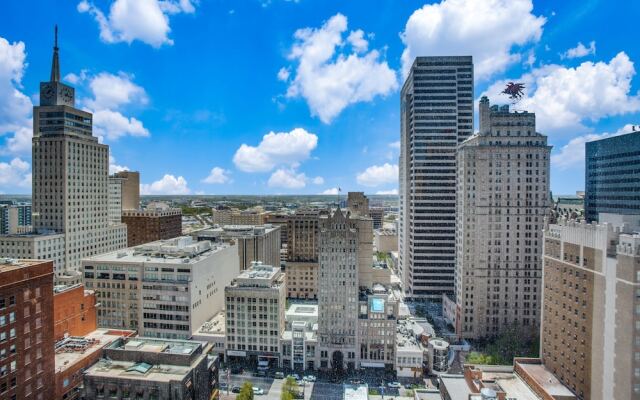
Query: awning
<point x="371" y="365"/>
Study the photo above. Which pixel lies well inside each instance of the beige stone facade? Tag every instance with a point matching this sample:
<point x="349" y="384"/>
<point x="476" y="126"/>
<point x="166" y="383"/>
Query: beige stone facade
<point x="130" y="189"/>
<point x="502" y="200"/>
<point x="590" y="333"/>
<point x="302" y="280"/>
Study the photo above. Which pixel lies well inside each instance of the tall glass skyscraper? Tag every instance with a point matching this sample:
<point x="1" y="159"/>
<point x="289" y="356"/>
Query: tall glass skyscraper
<point x="612" y="176"/>
<point x="436" y="115"/>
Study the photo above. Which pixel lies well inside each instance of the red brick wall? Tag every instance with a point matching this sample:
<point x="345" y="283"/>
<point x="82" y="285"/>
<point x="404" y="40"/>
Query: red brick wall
<point x="75" y="312"/>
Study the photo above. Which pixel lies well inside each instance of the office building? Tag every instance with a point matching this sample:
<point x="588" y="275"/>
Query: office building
<point x="26" y="329"/>
<point x="436" y="115"/>
<point x="611" y="176"/>
<point x="502" y="201"/>
<point x="152" y="224"/>
<point x="385" y="240"/>
<point x="300" y="338"/>
<point x="227" y="216"/>
<point x="37" y="247"/>
<point x="115" y="199"/>
<point x="164" y="289"/>
<point x="590" y="330"/>
<point x="145" y="368"/>
<point x="70" y="194"/>
<point x="130" y="189"/>
<point x="358" y="203"/>
<point x="255" y="304"/>
<point x="377" y="215"/>
<point x="15" y="218"/>
<point x="255" y="243"/>
<point x="280" y="219"/>
<point x="302" y="254"/>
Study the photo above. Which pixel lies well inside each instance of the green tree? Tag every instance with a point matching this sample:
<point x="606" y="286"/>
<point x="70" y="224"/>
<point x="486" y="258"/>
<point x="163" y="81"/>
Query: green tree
<point x="289" y="389"/>
<point x="246" y="392"/>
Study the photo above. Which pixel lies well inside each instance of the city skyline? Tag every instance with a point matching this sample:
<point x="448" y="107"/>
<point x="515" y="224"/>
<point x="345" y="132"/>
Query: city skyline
<point x="189" y="133"/>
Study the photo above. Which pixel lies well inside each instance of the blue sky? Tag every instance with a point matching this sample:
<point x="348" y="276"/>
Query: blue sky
<point x="256" y="97"/>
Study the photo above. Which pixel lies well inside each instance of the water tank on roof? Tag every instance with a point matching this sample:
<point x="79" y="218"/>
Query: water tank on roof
<point x="488" y="394"/>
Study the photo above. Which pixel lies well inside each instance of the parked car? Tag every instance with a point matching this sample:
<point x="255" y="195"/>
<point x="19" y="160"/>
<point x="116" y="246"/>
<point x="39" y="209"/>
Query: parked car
<point x="223" y="386"/>
<point x="395" y="385"/>
<point x="309" y="378"/>
<point x="356" y="381"/>
<point x="294" y="376"/>
<point x="301" y="382"/>
<point x="257" y="391"/>
<point x="235" y="389"/>
<point x="279" y="375"/>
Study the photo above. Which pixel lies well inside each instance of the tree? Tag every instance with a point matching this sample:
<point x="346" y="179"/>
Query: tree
<point x="289" y="389"/>
<point x="246" y="392"/>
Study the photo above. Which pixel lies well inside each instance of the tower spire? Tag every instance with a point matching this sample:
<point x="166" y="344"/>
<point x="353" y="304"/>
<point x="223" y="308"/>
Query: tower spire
<point x="55" y="63"/>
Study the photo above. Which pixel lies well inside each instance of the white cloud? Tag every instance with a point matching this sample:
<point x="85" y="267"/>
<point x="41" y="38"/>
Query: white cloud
<point x="143" y="20"/>
<point x="287" y="179"/>
<point x="377" y="175"/>
<point x="169" y="184"/>
<point x="15" y="106"/>
<point x="565" y="98"/>
<point x="74" y="79"/>
<point x="395" y="145"/>
<point x="282" y="148"/>
<point x="489" y="30"/>
<point x="572" y="154"/>
<point x="113" y="167"/>
<point x="331" y="191"/>
<point x="217" y="175"/>
<point x="15" y="173"/>
<point x="283" y="74"/>
<point x="318" y="180"/>
<point x="113" y="125"/>
<point x="388" y="192"/>
<point x="329" y="76"/>
<point x="113" y="91"/>
<point x="580" y="50"/>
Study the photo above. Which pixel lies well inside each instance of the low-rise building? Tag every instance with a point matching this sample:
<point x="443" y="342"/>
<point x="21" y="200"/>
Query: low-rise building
<point x="255" y="243"/>
<point x="385" y="240"/>
<point x="228" y="216"/>
<point x="164" y="289"/>
<point x="214" y="332"/>
<point x="151" y="224"/>
<point x="74" y="310"/>
<point x="300" y="339"/>
<point x="255" y="303"/>
<point x="411" y="354"/>
<point x="146" y="368"/>
<point x="75" y="354"/>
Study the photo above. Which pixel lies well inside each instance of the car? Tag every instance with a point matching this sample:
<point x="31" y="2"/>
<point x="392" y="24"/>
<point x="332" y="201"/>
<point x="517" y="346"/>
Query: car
<point x="356" y="381"/>
<point x="278" y="375"/>
<point x="294" y="376"/>
<point x="257" y="391"/>
<point x="223" y="386"/>
<point x="395" y="385"/>
<point x="309" y="378"/>
<point x="235" y="389"/>
<point x="301" y="382"/>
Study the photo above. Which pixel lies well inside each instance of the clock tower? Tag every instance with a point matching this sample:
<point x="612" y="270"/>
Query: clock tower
<point x="54" y="92"/>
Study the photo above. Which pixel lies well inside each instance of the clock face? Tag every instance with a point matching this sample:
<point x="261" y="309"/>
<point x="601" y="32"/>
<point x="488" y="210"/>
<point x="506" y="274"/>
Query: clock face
<point x="66" y="94"/>
<point x="48" y="92"/>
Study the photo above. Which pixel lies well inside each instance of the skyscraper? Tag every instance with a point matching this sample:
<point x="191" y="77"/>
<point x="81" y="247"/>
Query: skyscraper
<point x="502" y="200"/>
<point x="70" y="180"/>
<point x="611" y="176"/>
<point x="436" y="115"/>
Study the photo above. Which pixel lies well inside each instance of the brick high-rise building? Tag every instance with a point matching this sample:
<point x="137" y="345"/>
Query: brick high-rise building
<point x="590" y="330"/>
<point x="436" y="115"/>
<point x="502" y="200"/>
<point x="27" y="358"/>
<point x="302" y="254"/>
<point x="144" y="226"/>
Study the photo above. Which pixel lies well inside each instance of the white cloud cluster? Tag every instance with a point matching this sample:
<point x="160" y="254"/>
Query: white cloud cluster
<point x="110" y="94"/>
<point x="169" y="184"/>
<point x="143" y="20"/>
<point x="564" y="98"/>
<point x="489" y="30"/>
<point x="388" y="192"/>
<point x="113" y="167"/>
<point x="217" y="175"/>
<point x="282" y="148"/>
<point x="580" y="51"/>
<point x="15" y="106"/>
<point x="572" y="154"/>
<point x="288" y="179"/>
<point x="331" y="191"/>
<point x="377" y="175"/>
<point x="15" y="173"/>
<point x="328" y="76"/>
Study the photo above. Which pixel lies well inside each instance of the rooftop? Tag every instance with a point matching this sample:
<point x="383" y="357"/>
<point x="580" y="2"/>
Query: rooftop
<point x="12" y="264"/>
<point x="543" y="377"/>
<point x="182" y="249"/>
<point x="73" y="349"/>
<point x="213" y="327"/>
<point x="149" y="345"/>
<point x="136" y="371"/>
